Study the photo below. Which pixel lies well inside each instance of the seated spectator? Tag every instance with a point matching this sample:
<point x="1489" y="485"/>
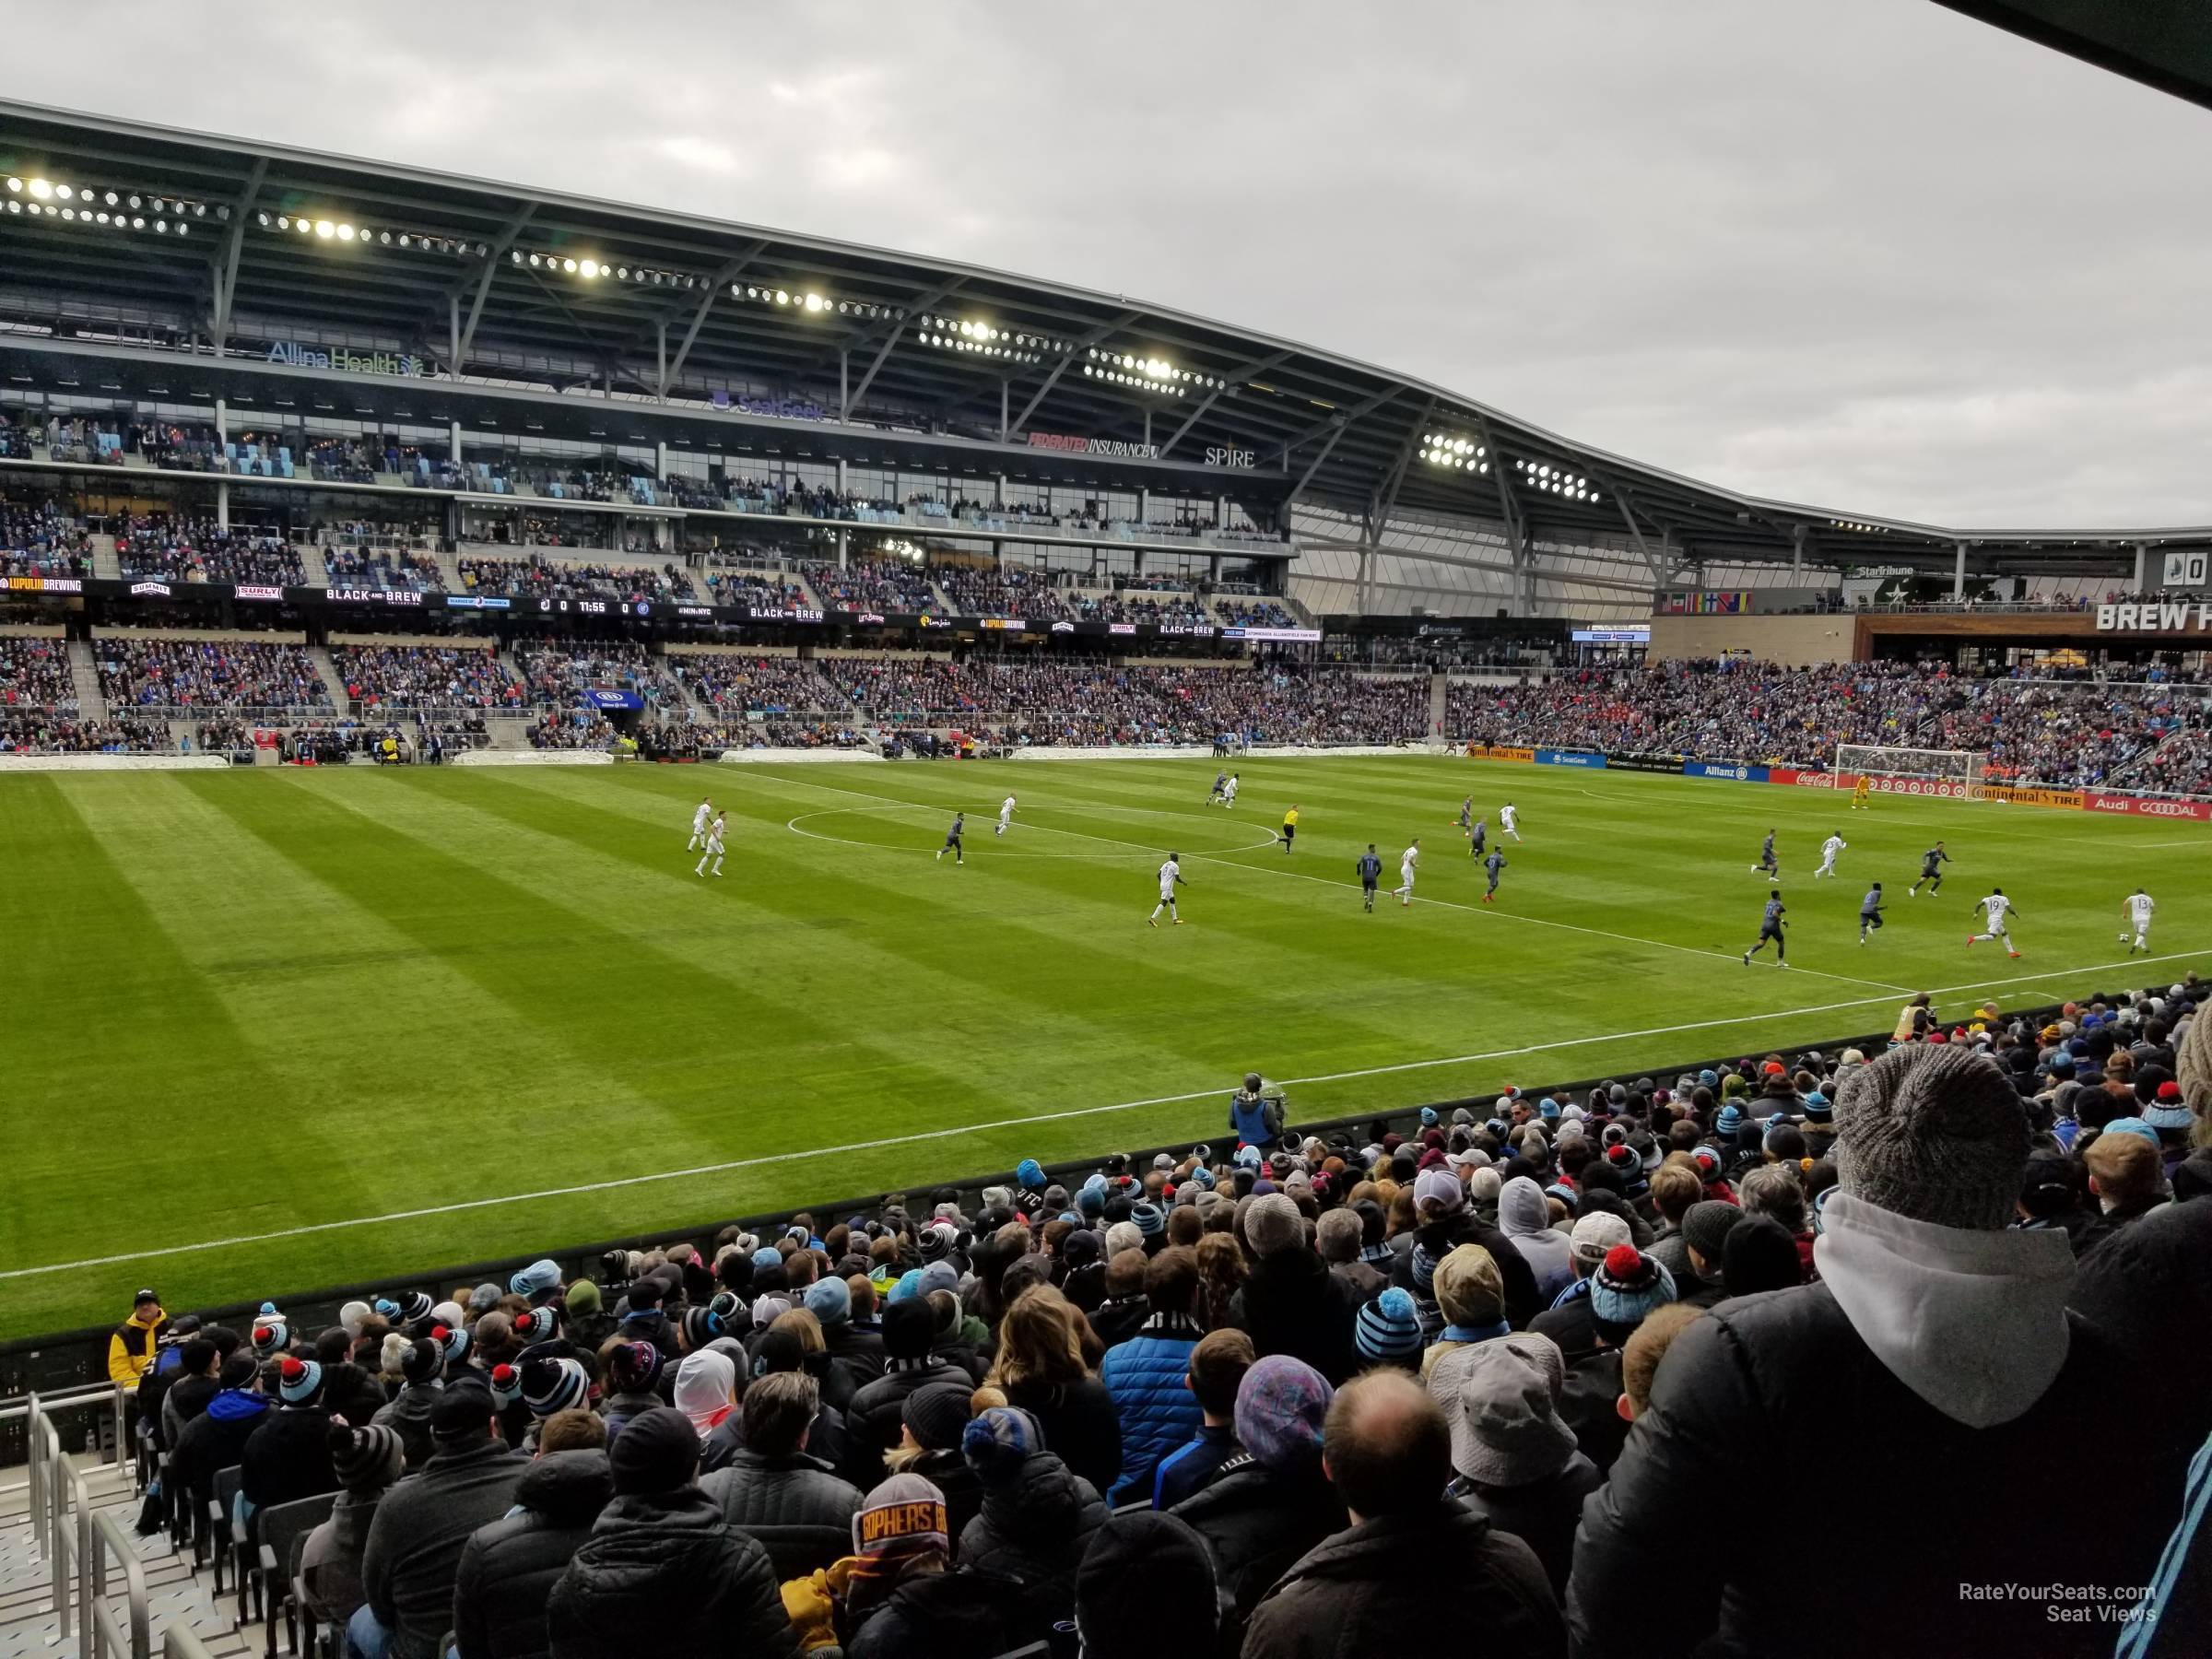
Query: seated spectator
<point x="2127" y="1176"/>
<point x="1936" y="1359"/>
<point x="422" y="1526"/>
<point x="1360" y="1589"/>
<point x="661" y="1567"/>
<point x="422" y="1386"/>
<point x="932" y="1424"/>
<point x="878" y="1410"/>
<point x="1144" y="1377"/>
<point x="367" y="1461"/>
<point x="1215" y="1371"/>
<point x="216" y="1438"/>
<point x="1513" y="1456"/>
<point x="1037" y="1518"/>
<point x="772" y="1490"/>
<point x="509" y="1567"/>
<point x="288" y="1456"/>
<point x="1271" y="1504"/>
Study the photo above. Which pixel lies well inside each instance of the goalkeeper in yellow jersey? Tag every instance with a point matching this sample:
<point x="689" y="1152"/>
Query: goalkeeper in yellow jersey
<point x="1861" y="793"/>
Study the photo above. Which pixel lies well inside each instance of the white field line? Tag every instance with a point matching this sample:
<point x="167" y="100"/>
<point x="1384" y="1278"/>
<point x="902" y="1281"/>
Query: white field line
<point x="1473" y="909"/>
<point x="1043" y="1117"/>
<point x="997" y="850"/>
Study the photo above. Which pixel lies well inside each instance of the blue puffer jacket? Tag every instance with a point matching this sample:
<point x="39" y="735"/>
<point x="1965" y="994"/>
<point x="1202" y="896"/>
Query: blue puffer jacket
<point x="1158" y="1414"/>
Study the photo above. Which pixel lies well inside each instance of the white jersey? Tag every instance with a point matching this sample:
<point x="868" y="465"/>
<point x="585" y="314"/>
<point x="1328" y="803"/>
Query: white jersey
<point x="1006" y="809"/>
<point x="1995" y="907"/>
<point x="1406" y="860"/>
<point x="698" y="819"/>
<point x="1168" y="873"/>
<point x="2139" y="906"/>
<point x="1831" y="847"/>
<point x="1229" y="789"/>
<point x="1505" y="817"/>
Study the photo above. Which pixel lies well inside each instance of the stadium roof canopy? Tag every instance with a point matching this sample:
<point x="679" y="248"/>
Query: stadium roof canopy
<point x="465" y="271"/>
<point x="2162" y="43"/>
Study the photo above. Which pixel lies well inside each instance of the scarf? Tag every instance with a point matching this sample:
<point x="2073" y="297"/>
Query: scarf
<point x="1459" y="1333"/>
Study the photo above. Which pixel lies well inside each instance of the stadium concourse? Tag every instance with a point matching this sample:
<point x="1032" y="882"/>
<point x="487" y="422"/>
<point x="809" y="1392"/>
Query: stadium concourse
<point x="1286" y="1392"/>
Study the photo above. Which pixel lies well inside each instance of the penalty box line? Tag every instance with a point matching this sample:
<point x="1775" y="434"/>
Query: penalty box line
<point x="919" y="1136"/>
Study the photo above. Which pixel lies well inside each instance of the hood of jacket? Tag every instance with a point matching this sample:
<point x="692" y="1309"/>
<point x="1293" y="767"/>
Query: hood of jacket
<point x="1042" y="1495"/>
<point x="1973" y="1323"/>
<point x="1522" y="1210"/>
<point x="235" y="1404"/>
<point x="568" y="1487"/>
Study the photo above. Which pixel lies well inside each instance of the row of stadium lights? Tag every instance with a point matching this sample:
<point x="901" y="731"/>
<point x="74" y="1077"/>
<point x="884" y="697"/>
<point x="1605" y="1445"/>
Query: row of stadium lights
<point x="1861" y="529"/>
<point x="1542" y="475"/>
<point x="344" y="230"/>
<point x="1147" y="374"/>
<point x="1439" y="449"/>
<point x="119" y="210"/>
<point x="982" y="340"/>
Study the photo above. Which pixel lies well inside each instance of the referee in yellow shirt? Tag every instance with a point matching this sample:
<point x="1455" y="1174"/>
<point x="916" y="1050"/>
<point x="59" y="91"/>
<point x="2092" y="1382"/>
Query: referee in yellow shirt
<point x="1289" y="828"/>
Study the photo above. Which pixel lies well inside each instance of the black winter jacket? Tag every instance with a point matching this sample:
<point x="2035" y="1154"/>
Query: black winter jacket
<point x="1036" y="1523"/>
<point x="662" y="1573"/>
<point x="1466" y="1228"/>
<point x="938" y="1614"/>
<point x="877" y="1412"/>
<point x="1362" y="1591"/>
<point x="1293" y="1304"/>
<point x="858" y="1348"/>
<point x="1257" y="1525"/>
<point x="1080" y="1424"/>
<point x="288" y="1458"/>
<point x="800" y="1511"/>
<point x="409" y="1416"/>
<point x="422" y="1524"/>
<point x="1911" y="1501"/>
<point x="509" y="1567"/>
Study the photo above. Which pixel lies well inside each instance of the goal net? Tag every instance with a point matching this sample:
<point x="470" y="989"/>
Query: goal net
<point x="1914" y="770"/>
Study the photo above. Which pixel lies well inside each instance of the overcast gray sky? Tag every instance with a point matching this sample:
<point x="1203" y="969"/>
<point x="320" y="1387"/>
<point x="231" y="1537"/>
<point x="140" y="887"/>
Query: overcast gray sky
<point x="1869" y="255"/>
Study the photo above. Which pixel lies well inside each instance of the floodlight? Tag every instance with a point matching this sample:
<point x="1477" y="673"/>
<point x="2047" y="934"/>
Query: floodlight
<point x="326" y="229"/>
<point x="43" y="190"/>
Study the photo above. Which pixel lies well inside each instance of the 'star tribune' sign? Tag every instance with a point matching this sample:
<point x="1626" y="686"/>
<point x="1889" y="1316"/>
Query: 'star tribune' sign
<point x="2149" y="618"/>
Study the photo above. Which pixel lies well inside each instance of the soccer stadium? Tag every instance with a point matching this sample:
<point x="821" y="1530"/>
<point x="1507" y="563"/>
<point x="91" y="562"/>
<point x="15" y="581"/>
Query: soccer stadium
<point x="1269" y="1004"/>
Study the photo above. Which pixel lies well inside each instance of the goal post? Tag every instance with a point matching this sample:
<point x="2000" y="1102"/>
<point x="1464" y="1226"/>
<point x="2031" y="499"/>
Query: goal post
<point x="1956" y="772"/>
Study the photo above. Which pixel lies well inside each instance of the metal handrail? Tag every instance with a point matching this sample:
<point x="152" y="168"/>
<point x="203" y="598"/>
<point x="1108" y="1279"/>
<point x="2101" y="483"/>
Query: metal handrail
<point x="76" y="1543"/>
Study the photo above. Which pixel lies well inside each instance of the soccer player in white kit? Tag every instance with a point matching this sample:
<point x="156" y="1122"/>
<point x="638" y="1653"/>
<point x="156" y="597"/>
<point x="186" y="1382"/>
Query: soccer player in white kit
<point x="1171" y="877"/>
<point x="1228" y="790"/>
<point x="1829" y="849"/>
<point x="1407" y="860"/>
<point x="1006" y="815"/>
<point x="713" y="848"/>
<point x="1509" y="821"/>
<point x="700" y="815"/>
<point x="1996" y="907"/>
<point x="2139" y="906"/>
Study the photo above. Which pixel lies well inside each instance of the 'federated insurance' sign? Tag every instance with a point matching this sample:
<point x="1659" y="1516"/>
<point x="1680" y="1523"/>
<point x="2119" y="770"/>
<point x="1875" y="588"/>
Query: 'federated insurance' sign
<point x="2155" y="618"/>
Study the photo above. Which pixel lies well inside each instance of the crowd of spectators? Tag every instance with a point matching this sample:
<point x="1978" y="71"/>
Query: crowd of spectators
<point x="1254" y="613"/>
<point x="765" y="589"/>
<point x="198" y="549"/>
<point x="887" y="585"/>
<point x="2038" y="730"/>
<point x="560" y="671"/>
<point x="1011" y="591"/>
<point x="34" y="673"/>
<point x="1304" y="1395"/>
<point x="573" y="730"/>
<point x="535" y="578"/>
<point x="38" y="539"/>
<point x="1161" y="609"/>
<point x="742" y="682"/>
<point x="42" y="731"/>
<point x="201" y="673"/>
<point x="382" y="568"/>
<point x="427" y="677"/>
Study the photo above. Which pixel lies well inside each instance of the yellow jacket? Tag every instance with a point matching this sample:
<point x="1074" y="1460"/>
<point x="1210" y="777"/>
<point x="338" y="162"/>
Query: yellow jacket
<point x="131" y="1351"/>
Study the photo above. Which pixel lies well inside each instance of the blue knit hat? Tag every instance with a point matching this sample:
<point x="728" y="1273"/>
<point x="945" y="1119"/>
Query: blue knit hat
<point x="998" y="1441"/>
<point x="1428" y="1118"/>
<point x="551" y="1386"/>
<point x="298" y="1381"/>
<point x="1388" y="1330"/>
<point x="1628" y="1285"/>
<point x="1710" y="1077"/>
<point x="1424" y="1270"/>
<point x="1548" y="1107"/>
<point x="1150" y="1220"/>
<point x="453" y="1340"/>
<point x="2132" y="1125"/>
<point x="908" y="1284"/>
<point x="541" y="1279"/>
<point x="1029" y="1173"/>
<point x="767" y="1256"/>
<point x="830" y="1301"/>
<point x="1728" y="1120"/>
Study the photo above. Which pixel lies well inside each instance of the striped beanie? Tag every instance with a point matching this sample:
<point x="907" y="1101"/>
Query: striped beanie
<point x="997" y="1441"/>
<point x="1626" y="1286"/>
<point x="537" y="1282"/>
<point x="551" y="1386"/>
<point x="364" y="1459"/>
<point x="506" y="1385"/>
<point x="1388" y="1332"/>
<point x="272" y="1335"/>
<point x="299" y="1382"/>
<point x="454" y="1339"/>
<point x="539" y="1324"/>
<point x="634" y="1367"/>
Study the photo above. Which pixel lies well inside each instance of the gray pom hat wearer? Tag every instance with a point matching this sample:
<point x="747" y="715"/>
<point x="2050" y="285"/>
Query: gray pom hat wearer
<point x="1935" y="1133"/>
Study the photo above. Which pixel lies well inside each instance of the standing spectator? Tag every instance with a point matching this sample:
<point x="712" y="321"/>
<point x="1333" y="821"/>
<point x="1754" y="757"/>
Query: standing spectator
<point x="1338" y="1236"/>
<point x="1470" y="1294"/>
<point x="1272" y="1502"/>
<point x="423" y="1525"/>
<point x="1918" y="1386"/>
<point x="132" y="1344"/>
<point x="510" y="1566"/>
<point x="1145" y="1376"/>
<point x="1292" y="1303"/>
<point x="1524" y="1218"/>
<point x="367" y="1460"/>
<point x="1217" y="1370"/>
<point x="1037" y="1518"/>
<point x="2127" y="1175"/>
<point x="1361" y="1589"/>
<point x="1041" y="1369"/>
<point x="662" y="1571"/>
<point x="1514" y="1455"/>
<point x="934" y="1422"/>
<point x="773" y="1492"/>
<point x="877" y="1413"/>
<point x="1145" y="1560"/>
<point x="897" y="1595"/>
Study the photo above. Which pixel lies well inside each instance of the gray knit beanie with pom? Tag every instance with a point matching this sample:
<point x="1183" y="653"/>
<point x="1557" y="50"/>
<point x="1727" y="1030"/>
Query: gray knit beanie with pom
<point x="1933" y="1133"/>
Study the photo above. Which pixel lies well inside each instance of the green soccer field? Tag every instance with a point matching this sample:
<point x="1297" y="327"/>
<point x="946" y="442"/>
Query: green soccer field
<point x="267" y="1031"/>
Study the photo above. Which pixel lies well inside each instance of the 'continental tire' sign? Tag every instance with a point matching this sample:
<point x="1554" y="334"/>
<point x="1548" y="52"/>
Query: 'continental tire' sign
<point x="1482" y="751"/>
<point x="2069" y="798"/>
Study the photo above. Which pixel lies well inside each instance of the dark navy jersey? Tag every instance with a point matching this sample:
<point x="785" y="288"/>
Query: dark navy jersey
<point x="1493" y="864"/>
<point x="1774" y="916"/>
<point x="1872" y="902"/>
<point x="1370" y="869"/>
<point x="1931" y="858"/>
<point x="953" y="834"/>
<point x="1768" y="849"/>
